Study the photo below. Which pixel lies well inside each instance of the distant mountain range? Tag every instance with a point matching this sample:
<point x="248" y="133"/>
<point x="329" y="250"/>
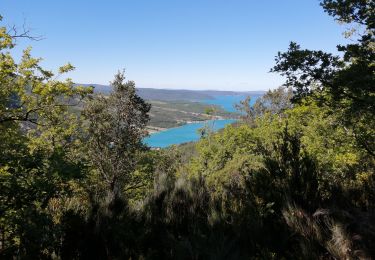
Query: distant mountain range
<point x="175" y="94"/>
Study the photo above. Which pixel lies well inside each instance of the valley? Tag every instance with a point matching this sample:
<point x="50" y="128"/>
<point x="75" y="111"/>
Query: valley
<point x="172" y="108"/>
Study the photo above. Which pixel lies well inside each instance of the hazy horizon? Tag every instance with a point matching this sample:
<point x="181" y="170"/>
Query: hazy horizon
<point x="188" y="89"/>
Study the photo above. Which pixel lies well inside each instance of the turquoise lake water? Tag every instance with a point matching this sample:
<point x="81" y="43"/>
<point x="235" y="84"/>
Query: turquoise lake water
<point x="228" y="102"/>
<point x="189" y="132"/>
<point x="183" y="134"/>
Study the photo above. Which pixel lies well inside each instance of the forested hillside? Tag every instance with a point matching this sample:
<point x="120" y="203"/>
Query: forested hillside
<point x="294" y="179"/>
<point x="176" y="113"/>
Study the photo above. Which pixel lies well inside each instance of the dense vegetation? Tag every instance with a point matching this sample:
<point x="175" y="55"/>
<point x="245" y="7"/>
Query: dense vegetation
<point x="294" y="180"/>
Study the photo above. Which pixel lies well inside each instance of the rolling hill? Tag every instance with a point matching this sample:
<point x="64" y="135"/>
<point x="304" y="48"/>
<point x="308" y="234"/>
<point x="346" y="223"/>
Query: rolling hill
<point x="175" y="94"/>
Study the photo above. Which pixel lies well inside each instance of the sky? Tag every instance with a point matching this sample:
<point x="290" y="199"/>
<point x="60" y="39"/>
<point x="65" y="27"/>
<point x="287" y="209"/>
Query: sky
<point x="174" y="44"/>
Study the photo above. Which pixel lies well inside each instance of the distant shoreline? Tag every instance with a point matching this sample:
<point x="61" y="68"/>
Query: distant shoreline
<point x="153" y="130"/>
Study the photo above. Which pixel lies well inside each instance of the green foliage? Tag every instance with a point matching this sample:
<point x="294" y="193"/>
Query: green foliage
<point x="349" y="11"/>
<point x="166" y="114"/>
<point x="345" y="84"/>
<point x="116" y="126"/>
<point x="39" y="150"/>
<point x="306" y="158"/>
<point x="291" y="181"/>
<point x="274" y="101"/>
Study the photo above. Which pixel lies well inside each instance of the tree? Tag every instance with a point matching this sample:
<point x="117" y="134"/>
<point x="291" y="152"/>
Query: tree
<point x="39" y="140"/>
<point x="116" y="127"/>
<point x="273" y="102"/>
<point x="345" y="84"/>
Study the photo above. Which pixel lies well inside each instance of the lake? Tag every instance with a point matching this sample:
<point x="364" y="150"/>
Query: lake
<point x="189" y="132"/>
<point x="183" y="134"/>
<point x="227" y="102"/>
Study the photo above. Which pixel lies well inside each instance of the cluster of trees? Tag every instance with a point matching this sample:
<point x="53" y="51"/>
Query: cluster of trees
<point x="294" y="180"/>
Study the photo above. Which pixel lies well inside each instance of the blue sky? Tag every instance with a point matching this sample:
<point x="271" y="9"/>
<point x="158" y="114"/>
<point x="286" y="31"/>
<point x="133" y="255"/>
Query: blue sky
<point x="189" y="44"/>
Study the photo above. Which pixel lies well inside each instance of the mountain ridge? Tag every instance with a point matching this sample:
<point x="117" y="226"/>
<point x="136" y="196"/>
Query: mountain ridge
<point x="175" y="94"/>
